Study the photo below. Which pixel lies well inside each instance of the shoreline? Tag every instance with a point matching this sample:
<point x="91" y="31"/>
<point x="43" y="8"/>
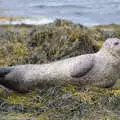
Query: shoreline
<point x="20" y="20"/>
<point x="4" y="20"/>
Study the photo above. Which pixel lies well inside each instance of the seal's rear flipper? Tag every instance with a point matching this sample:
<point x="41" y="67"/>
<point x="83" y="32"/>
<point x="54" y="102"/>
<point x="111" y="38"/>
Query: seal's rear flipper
<point x="5" y="70"/>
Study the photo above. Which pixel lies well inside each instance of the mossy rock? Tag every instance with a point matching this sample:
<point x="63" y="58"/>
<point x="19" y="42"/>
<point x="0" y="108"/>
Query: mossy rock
<point x="41" y="44"/>
<point x="62" y="102"/>
<point x="55" y="42"/>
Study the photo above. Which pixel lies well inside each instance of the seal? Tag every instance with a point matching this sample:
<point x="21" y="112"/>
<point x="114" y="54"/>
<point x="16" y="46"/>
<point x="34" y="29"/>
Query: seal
<point x="100" y="69"/>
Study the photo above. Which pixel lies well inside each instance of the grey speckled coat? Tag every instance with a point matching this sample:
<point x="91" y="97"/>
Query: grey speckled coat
<point x="101" y="69"/>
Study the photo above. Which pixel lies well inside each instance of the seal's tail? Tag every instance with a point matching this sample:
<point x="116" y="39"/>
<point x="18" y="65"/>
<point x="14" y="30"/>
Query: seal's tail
<point x="5" y="70"/>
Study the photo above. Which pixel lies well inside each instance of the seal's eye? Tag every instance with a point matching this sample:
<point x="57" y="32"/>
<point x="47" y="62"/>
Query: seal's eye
<point x="116" y="43"/>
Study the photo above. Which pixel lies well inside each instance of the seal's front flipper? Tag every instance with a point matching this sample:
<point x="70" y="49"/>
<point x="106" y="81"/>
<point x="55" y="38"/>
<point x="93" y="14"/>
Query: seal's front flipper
<point x="82" y="67"/>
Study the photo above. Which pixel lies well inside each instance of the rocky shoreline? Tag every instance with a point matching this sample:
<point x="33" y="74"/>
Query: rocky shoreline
<point x="24" y="44"/>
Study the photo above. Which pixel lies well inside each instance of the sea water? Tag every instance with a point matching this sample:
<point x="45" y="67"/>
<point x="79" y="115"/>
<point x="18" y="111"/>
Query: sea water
<point x="86" y="12"/>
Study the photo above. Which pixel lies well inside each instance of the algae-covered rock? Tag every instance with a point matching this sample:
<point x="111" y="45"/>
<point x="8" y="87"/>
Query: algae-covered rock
<point x="22" y="44"/>
<point x="62" y="103"/>
<point x="40" y="44"/>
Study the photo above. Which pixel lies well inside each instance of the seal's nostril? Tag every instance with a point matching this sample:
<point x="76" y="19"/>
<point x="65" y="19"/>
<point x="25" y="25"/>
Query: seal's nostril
<point x="116" y="43"/>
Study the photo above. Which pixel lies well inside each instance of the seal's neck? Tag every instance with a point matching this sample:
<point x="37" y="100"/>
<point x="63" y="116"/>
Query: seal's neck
<point x="108" y="53"/>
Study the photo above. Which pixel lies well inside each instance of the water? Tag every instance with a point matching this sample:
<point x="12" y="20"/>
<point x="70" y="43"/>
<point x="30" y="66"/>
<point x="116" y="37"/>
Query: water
<point x="87" y="12"/>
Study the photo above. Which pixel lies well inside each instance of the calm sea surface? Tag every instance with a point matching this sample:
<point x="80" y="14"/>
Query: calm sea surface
<point x="87" y="12"/>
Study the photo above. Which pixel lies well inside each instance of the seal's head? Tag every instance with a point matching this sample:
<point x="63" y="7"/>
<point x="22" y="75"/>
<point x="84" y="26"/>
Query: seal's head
<point x="112" y="45"/>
